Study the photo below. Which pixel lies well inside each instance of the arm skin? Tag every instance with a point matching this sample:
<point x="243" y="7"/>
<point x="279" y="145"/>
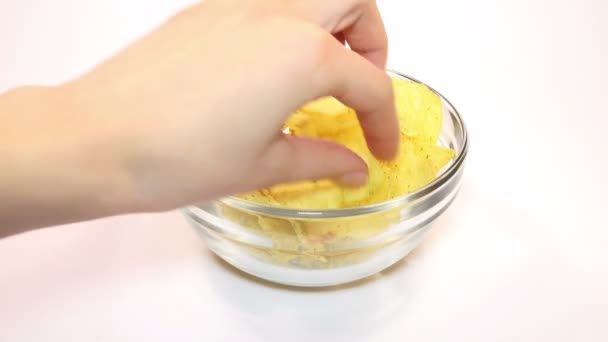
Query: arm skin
<point x="54" y="168"/>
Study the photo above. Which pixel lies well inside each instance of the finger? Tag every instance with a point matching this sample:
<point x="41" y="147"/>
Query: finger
<point x="290" y="159"/>
<point x="368" y="90"/>
<point x="367" y="35"/>
<point x="358" y="21"/>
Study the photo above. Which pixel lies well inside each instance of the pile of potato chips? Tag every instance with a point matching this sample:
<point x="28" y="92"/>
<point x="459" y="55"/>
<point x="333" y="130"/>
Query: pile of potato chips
<point x="420" y="157"/>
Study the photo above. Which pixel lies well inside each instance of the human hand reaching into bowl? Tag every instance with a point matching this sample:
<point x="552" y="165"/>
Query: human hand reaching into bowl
<point x="193" y="111"/>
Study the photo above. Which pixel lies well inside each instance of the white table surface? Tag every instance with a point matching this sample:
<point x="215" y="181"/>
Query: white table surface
<point x="520" y="256"/>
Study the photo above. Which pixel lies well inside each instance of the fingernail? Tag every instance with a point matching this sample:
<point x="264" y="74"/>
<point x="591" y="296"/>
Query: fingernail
<point x="354" y="179"/>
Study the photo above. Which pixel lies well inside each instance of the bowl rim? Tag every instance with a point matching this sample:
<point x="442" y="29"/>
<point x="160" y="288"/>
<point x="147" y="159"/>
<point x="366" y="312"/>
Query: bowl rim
<point x="429" y="188"/>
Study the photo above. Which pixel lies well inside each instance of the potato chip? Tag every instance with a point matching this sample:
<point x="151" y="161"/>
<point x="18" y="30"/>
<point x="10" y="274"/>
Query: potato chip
<point x="326" y="106"/>
<point x="420" y="110"/>
<point x="323" y="194"/>
<point x="423" y="160"/>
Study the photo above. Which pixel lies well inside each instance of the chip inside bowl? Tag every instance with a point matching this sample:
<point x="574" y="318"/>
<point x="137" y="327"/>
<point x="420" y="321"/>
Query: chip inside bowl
<point x="419" y="161"/>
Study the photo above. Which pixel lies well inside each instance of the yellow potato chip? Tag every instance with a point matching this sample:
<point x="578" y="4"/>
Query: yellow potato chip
<point x="323" y="194"/>
<point x="417" y="164"/>
<point x="325" y="106"/>
<point x="420" y="110"/>
<point x="338" y="120"/>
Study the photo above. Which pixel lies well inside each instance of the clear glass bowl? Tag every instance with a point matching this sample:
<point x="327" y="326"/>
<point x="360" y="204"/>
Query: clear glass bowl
<point x="330" y="247"/>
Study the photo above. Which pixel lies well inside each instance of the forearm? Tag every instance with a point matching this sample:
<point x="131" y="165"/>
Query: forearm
<point x="54" y="166"/>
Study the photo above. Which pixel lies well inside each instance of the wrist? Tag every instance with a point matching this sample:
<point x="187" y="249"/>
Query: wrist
<point x="57" y="168"/>
<point x="96" y="147"/>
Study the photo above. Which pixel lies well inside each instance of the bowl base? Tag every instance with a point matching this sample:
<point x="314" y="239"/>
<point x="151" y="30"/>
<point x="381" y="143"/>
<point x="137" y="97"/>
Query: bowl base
<point x="249" y="261"/>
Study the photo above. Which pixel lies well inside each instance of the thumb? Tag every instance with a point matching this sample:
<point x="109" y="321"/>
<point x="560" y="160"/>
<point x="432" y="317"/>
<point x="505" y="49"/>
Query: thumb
<point x="290" y="159"/>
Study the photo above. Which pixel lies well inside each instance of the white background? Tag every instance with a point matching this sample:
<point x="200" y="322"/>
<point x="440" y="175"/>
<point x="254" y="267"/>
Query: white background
<point x="520" y="256"/>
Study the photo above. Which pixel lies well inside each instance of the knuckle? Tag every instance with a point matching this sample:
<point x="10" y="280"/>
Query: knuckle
<point x="319" y="48"/>
<point x="314" y="53"/>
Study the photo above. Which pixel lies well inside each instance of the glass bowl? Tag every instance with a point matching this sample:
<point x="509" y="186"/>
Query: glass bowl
<point x="330" y="247"/>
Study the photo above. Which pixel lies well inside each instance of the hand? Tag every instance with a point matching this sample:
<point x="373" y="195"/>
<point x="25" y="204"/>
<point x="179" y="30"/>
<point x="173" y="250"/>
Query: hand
<point x="200" y="102"/>
<point x="193" y="110"/>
